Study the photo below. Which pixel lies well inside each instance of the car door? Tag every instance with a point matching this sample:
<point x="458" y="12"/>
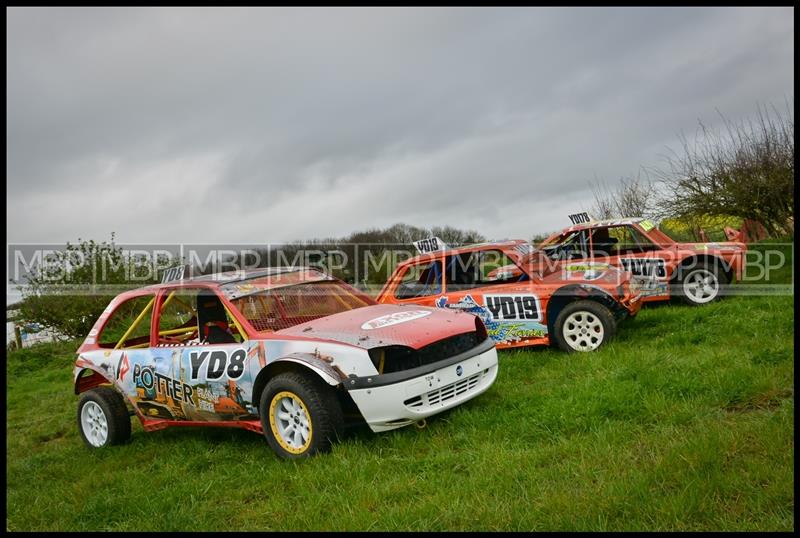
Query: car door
<point x="192" y="375"/>
<point x="124" y="339"/>
<point x="420" y="283"/>
<point x="510" y="308"/>
<point x="634" y="252"/>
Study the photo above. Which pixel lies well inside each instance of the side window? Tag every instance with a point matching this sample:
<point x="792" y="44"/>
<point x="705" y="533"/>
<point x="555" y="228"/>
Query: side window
<point x="623" y="240"/>
<point x="420" y="280"/>
<point x="495" y="267"/>
<point x="460" y="271"/>
<point x="190" y="317"/>
<point x="572" y="246"/>
<point x="644" y="244"/>
<point x="627" y="241"/>
<point x="603" y="242"/>
<point x="177" y="320"/>
<point x="477" y="269"/>
<point x="129" y="325"/>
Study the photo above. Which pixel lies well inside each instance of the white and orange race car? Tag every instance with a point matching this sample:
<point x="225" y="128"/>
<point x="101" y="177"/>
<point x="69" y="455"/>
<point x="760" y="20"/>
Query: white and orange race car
<point x="695" y="272"/>
<point x="576" y="306"/>
<point x="287" y="352"/>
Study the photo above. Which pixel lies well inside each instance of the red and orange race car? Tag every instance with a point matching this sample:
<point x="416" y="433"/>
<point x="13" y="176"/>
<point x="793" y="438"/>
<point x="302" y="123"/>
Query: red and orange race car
<point x="695" y="272"/>
<point x="577" y="307"/>
<point x="287" y="352"/>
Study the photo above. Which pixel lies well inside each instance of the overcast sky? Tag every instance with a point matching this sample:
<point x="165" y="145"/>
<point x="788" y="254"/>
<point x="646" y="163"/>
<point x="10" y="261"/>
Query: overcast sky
<point x="263" y="125"/>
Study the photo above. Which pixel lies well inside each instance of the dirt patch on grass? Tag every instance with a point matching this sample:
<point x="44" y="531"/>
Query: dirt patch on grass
<point x="52" y="436"/>
<point x="765" y="401"/>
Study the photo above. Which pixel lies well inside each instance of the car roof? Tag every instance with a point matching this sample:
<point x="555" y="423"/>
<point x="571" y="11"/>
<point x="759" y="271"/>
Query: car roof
<point x="218" y="280"/>
<point x="602" y="223"/>
<point x="487" y="245"/>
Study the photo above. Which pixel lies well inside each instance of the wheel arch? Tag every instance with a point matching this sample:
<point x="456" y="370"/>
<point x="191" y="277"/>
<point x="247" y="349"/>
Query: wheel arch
<point x="576" y="292"/>
<point x="698" y="260"/>
<point x="89" y="378"/>
<point x="305" y="363"/>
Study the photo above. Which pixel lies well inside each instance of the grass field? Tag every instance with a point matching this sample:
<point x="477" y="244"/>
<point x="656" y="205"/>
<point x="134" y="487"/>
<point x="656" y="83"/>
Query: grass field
<point x="685" y="421"/>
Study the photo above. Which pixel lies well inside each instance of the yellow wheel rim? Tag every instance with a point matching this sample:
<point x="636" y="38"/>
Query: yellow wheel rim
<point x="290" y="422"/>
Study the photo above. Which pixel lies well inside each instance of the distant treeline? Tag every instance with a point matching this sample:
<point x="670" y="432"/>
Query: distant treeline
<point x="365" y="257"/>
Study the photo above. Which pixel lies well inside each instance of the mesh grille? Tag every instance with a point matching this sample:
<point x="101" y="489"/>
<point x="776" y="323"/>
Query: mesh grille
<point x="400" y="358"/>
<point x="276" y="309"/>
<point x="442" y="395"/>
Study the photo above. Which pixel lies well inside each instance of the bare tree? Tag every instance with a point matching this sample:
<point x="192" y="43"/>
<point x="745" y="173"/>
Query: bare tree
<point x="745" y="171"/>
<point x="603" y="207"/>
<point x="455" y="237"/>
<point x="631" y="197"/>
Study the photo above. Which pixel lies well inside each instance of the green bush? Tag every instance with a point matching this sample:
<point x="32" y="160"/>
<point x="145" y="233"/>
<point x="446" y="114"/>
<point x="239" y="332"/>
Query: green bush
<point x="72" y="287"/>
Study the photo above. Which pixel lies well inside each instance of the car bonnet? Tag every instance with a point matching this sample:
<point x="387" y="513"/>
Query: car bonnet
<point x="383" y="325"/>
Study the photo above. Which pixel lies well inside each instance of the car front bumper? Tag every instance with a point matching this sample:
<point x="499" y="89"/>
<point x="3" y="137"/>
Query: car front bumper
<point x="446" y="384"/>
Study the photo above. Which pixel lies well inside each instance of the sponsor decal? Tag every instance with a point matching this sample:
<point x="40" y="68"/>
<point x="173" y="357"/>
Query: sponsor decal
<point x="647" y="267"/>
<point x="647" y="287"/>
<point x="394" y="319"/>
<point x="513" y="306"/>
<point x="206" y="399"/>
<point x="217" y="363"/>
<point x="153" y="381"/>
<point x="585" y="271"/>
<point x="123" y="367"/>
<point x="517" y="326"/>
<point x="577" y="267"/>
<point x="245" y="288"/>
<point x="500" y="275"/>
<point x="647" y="225"/>
<point x="177" y="384"/>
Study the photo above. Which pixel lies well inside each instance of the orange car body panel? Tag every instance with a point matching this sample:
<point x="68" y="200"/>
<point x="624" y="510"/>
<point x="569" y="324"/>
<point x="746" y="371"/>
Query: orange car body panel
<point x="515" y="308"/>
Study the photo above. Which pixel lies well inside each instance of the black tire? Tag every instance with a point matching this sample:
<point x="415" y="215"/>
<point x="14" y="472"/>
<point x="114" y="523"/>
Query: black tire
<point x="593" y="315"/>
<point x="318" y="407"/>
<point x="106" y="407"/>
<point x="688" y="289"/>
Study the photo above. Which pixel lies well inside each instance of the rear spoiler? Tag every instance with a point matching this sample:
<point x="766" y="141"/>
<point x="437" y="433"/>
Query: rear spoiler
<point x="733" y="234"/>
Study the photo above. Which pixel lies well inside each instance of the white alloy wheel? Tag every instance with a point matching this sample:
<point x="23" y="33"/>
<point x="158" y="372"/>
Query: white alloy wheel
<point x="701" y="286"/>
<point x="94" y="424"/>
<point x="583" y="331"/>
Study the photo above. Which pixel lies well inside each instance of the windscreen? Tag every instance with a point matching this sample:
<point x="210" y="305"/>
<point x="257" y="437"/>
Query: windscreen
<point x="279" y="308"/>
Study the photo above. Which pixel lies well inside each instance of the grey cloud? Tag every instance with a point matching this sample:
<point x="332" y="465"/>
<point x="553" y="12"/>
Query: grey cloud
<point x="272" y="124"/>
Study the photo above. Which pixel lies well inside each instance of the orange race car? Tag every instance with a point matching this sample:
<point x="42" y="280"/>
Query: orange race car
<point x="695" y="272"/>
<point x="576" y="307"/>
